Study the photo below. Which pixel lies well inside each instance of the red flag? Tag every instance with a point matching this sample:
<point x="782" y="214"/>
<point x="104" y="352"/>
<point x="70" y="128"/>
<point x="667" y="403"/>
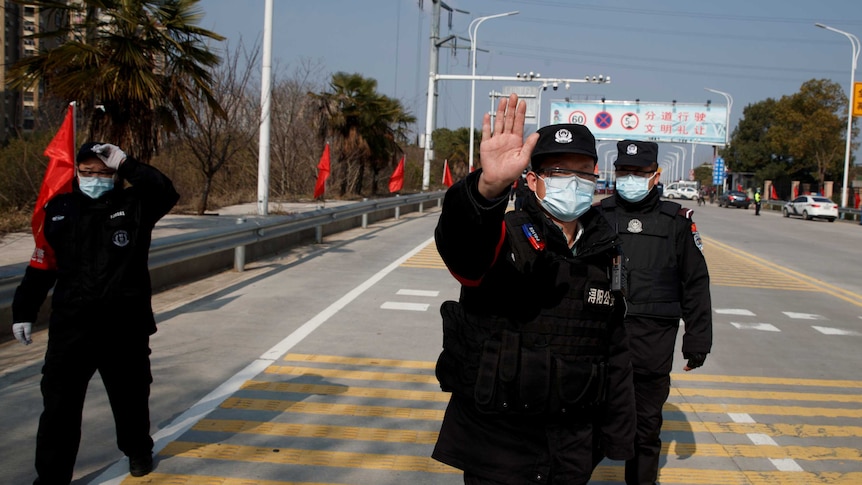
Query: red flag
<point x="322" y="173"/>
<point x="772" y="193"/>
<point x="447" y="176"/>
<point x="57" y="180"/>
<point x="396" y="181"/>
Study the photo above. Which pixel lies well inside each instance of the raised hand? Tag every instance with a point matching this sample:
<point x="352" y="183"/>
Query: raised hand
<point x="504" y="153"/>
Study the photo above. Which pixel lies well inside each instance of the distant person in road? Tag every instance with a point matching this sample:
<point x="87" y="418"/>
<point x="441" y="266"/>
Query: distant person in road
<point x="534" y="352"/>
<point x="98" y="239"/>
<point x="667" y="279"/>
<point x="757" y="202"/>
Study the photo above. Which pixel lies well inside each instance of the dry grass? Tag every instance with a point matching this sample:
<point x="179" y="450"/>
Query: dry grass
<point x="15" y="221"/>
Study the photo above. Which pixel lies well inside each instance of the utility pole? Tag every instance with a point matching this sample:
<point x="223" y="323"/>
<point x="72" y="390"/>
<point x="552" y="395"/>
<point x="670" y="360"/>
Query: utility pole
<point x="434" y="65"/>
<point x="265" y="119"/>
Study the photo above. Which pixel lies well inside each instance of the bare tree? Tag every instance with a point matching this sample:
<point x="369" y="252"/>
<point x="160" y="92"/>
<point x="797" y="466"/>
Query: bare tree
<point x="213" y="140"/>
<point x="295" y="145"/>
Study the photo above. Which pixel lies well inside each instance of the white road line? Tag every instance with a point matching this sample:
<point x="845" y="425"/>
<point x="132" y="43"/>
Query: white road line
<point x="734" y="311"/>
<point x="741" y="418"/>
<point x="786" y="465"/>
<point x="781" y="464"/>
<point x="115" y="474"/>
<point x="765" y="327"/>
<point x="803" y="316"/>
<point x="428" y="293"/>
<point x="401" y="305"/>
<point x="834" y="331"/>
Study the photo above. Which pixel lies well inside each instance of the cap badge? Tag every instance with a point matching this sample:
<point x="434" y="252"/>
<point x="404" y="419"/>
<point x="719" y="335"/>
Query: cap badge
<point x="632" y="149"/>
<point x="563" y="136"/>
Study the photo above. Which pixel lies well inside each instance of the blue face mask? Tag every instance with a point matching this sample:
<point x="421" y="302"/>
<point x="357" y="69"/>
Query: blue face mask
<point x="95" y="187"/>
<point x="633" y="188"/>
<point x="567" y="198"/>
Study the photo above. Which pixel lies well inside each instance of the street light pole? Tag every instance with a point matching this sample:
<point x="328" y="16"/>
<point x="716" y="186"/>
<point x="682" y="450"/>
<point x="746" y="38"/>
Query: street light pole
<point x="854" y="43"/>
<point x="473" y="30"/>
<point x="729" y="100"/>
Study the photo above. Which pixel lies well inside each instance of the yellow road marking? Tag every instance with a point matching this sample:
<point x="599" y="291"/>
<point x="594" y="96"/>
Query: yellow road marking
<point x="765" y="395"/>
<point x="351" y="374"/>
<point x="367" y="361"/>
<point x="767" y="410"/>
<point x="809" y="453"/>
<point x="166" y="479"/>
<point x="279" y="405"/>
<point x="352" y="391"/>
<point x="777" y="429"/>
<point x="427" y="257"/>
<point x="297" y="456"/>
<point x="669" y="476"/>
<point x="429" y="437"/>
<point x="770" y="381"/>
<point x="282" y="406"/>
<point x="317" y="431"/>
<point x="766" y="271"/>
<point x="698" y="476"/>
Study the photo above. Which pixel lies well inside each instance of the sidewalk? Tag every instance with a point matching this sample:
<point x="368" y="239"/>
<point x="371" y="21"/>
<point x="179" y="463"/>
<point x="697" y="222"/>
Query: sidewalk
<point x="16" y="248"/>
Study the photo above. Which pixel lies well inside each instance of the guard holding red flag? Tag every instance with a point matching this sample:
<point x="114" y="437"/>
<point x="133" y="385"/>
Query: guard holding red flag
<point x="101" y="316"/>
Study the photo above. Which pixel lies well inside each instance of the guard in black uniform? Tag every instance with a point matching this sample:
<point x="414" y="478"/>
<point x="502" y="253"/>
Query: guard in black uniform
<point x="98" y="242"/>
<point x="534" y="352"/>
<point x="667" y="279"/>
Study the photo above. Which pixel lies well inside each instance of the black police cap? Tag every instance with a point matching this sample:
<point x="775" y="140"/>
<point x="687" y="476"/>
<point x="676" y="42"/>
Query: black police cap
<point x="636" y="153"/>
<point x="564" y="138"/>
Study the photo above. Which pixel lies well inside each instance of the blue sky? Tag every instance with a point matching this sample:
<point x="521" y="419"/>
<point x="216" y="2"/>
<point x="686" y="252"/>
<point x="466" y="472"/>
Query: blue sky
<point x="654" y="51"/>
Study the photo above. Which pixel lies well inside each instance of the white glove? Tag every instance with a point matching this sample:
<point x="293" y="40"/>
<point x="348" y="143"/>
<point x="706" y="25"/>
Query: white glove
<point x="21" y="331"/>
<point x="111" y="155"/>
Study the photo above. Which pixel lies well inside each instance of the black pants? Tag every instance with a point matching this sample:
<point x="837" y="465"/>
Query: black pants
<point x="651" y="392"/>
<point x="757" y="208"/>
<point x="124" y="365"/>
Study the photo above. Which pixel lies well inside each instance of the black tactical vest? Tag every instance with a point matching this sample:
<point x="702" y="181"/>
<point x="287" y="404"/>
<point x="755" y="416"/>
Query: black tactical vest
<point x="549" y="356"/>
<point x="649" y="250"/>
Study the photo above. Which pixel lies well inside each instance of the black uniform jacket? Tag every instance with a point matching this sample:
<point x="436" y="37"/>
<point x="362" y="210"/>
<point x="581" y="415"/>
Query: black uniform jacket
<point x="472" y="240"/>
<point x="652" y="345"/>
<point x="101" y="248"/>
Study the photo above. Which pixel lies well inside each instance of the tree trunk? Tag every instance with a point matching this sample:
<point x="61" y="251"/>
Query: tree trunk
<point x="205" y="193"/>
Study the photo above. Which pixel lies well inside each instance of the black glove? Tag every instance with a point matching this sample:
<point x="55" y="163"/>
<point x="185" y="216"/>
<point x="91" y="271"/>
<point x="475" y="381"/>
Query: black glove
<point x="695" y="360"/>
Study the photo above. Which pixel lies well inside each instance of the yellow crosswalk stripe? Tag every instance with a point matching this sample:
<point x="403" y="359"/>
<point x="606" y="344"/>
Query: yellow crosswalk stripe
<point x="317" y="431"/>
<point x="298" y="456"/>
<point x="351" y="391"/>
<point x="284" y="406"/>
<point x="156" y="478"/>
<point x="364" y="361"/>
<point x="769" y="381"/>
<point x="351" y="374"/>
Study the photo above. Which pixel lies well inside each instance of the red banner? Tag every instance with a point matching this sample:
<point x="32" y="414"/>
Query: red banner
<point x="396" y="181"/>
<point x="57" y="180"/>
<point x="322" y="173"/>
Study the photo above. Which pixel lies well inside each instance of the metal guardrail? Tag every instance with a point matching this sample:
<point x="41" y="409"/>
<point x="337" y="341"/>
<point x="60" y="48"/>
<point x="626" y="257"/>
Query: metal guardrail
<point x="176" y="249"/>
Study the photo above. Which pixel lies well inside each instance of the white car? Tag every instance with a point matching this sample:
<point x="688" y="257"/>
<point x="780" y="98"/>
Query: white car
<point x="811" y="206"/>
<point x="680" y="193"/>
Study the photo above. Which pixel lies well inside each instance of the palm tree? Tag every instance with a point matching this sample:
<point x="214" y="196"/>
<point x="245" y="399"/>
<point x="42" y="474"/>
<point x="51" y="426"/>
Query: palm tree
<point x="135" y="65"/>
<point x="366" y="128"/>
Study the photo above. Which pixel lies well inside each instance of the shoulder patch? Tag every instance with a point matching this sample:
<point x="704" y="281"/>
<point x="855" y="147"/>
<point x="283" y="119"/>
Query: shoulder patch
<point x="685" y="212"/>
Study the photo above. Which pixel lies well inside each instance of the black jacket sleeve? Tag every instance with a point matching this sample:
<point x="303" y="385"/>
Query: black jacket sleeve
<point x="31" y="294"/>
<point x="153" y="187"/>
<point x="470" y="231"/>
<point x="696" y="299"/>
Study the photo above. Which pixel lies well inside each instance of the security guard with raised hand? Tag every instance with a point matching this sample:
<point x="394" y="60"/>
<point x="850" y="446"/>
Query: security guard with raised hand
<point x="667" y="279"/>
<point x="534" y="351"/>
